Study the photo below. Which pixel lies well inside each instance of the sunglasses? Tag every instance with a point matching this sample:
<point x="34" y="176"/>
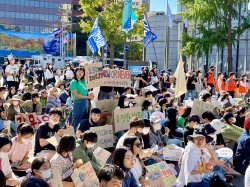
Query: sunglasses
<point x="138" y="145"/>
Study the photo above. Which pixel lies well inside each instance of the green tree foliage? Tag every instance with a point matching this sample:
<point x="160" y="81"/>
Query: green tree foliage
<point x="110" y="20"/>
<point x="213" y="22"/>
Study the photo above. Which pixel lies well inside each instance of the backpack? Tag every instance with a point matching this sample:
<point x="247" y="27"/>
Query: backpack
<point x="217" y="181"/>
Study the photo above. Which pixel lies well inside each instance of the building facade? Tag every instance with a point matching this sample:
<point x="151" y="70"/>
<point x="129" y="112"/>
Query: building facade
<point x="40" y="16"/>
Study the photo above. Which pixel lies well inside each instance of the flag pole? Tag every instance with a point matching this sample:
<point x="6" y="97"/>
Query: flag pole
<point x="124" y="58"/>
<point x="166" y="40"/>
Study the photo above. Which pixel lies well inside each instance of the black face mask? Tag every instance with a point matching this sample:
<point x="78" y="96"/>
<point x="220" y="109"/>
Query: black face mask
<point x="138" y="134"/>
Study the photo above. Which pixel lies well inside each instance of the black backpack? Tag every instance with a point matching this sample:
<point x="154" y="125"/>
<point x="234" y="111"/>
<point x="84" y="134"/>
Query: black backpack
<point x="216" y="181"/>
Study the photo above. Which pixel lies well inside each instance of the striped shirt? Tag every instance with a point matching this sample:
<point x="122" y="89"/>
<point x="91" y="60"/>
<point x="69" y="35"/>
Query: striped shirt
<point x="52" y="102"/>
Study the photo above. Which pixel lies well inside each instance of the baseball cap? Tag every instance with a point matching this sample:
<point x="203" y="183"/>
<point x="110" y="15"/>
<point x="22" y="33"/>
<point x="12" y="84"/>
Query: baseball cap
<point x="194" y="118"/>
<point x="169" y="70"/>
<point x="163" y="71"/>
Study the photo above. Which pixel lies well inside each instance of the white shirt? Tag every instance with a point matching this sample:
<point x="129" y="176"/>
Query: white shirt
<point x="5" y="164"/>
<point x="137" y="171"/>
<point x="48" y="74"/>
<point x="69" y="74"/>
<point x="154" y="80"/>
<point x="247" y="177"/>
<point x="12" y="70"/>
<point x="121" y="140"/>
<point x="191" y="158"/>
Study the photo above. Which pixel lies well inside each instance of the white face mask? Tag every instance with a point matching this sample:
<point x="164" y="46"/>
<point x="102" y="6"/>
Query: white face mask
<point x="126" y="103"/>
<point x="3" y="154"/>
<point x="157" y="126"/>
<point x="90" y="145"/>
<point x="46" y="174"/>
<point x="15" y="102"/>
<point x="150" y="108"/>
<point x="40" y="68"/>
<point x="145" y="130"/>
<point x="175" y="103"/>
<point x="234" y="120"/>
<point x="25" y="141"/>
<point x="169" y="99"/>
<point x="68" y="68"/>
<point x="50" y="66"/>
<point x="37" y="99"/>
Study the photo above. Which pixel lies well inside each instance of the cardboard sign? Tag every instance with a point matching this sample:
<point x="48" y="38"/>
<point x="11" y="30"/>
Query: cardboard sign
<point x="225" y="153"/>
<point x="70" y="131"/>
<point x="95" y="76"/>
<point x="155" y="179"/>
<point x="167" y="175"/>
<point x="56" y="179"/>
<point x="85" y="176"/>
<point x="138" y="101"/>
<point x="91" y="70"/>
<point x="172" y="152"/>
<point x="54" y="140"/>
<point x="199" y="107"/>
<point x="101" y="155"/>
<point x="123" y="117"/>
<point x="107" y="105"/>
<point x="32" y="119"/>
<point x="7" y="125"/>
<point x="46" y="154"/>
<point x="105" y="136"/>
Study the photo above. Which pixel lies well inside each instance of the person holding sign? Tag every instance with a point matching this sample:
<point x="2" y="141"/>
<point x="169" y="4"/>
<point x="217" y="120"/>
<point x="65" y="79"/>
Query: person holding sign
<point x="198" y="158"/>
<point x="62" y="161"/>
<point x="86" y="124"/>
<point x="48" y="130"/>
<point x="124" y="158"/>
<point x="81" y="98"/>
<point x="15" y="109"/>
<point x="83" y="149"/>
<point x="110" y="176"/>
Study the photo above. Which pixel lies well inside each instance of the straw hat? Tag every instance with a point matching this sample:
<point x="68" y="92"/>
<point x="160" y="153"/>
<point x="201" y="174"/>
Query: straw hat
<point x="15" y="98"/>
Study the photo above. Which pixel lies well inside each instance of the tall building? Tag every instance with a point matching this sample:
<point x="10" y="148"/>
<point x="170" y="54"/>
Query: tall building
<point x="40" y="16"/>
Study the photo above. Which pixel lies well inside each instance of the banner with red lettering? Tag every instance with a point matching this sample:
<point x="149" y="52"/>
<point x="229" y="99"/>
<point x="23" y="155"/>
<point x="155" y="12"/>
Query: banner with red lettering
<point x="95" y="76"/>
<point x="32" y="119"/>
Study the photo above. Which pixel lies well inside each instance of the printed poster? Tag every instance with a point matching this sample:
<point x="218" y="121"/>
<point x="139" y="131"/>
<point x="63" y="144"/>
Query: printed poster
<point x="123" y="117"/>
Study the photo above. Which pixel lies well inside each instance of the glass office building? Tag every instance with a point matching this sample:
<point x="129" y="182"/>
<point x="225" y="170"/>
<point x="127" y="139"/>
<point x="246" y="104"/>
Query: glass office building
<point x="40" y="16"/>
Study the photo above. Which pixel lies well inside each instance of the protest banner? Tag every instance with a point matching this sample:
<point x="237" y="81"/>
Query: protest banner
<point x="123" y="117"/>
<point x="199" y="107"/>
<point x="85" y="176"/>
<point x="56" y="179"/>
<point x="167" y="175"/>
<point x="101" y="155"/>
<point x="105" y="136"/>
<point x="155" y="179"/>
<point x="32" y="119"/>
<point x="116" y="78"/>
<point x="91" y="71"/>
<point x="172" y="152"/>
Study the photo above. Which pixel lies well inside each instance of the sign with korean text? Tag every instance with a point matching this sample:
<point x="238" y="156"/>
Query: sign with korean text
<point x="200" y="107"/>
<point x="85" y="176"/>
<point x="32" y="119"/>
<point x="101" y="155"/>
<point x="105" y="136"/>
<point x="123" y="117"/>
<point x="224" y="153"/>
<point x="91" y="72"/>
<point x="172" y="152"/>
<point x="167" y="175"/>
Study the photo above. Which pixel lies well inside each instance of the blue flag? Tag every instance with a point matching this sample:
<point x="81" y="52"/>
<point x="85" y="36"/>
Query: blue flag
<point x="128" y="16"/>
<point x="96" y="39"/>
<point x="51" y="44"/>
<point x="149" y="36"/>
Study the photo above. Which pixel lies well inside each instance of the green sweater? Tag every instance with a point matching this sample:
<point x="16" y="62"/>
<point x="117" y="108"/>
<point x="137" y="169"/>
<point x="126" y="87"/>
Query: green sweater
<point x="231" y="132"/>
<point x="86" y="154"/>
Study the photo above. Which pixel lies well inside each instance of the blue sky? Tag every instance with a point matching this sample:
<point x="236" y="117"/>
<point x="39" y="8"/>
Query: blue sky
<point x="161" y="5"/>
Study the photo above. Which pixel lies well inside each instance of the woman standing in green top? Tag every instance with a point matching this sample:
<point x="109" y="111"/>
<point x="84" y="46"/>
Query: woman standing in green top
<point x="184" y="114"/>
<point x="81" y="98"/>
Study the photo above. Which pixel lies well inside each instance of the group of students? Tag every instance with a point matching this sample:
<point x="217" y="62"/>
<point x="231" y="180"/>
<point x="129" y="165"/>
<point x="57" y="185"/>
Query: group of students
<point x="141" y="145"/>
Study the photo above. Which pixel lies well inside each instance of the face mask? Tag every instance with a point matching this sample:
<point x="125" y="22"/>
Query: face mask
<point x="138" y="134"/>
<point x="46" y="174"/>
<point x="50" y="66"/>
<point x="25" y="141"/>
<point x="126" y="103"/>
<point x="90" y="145"/>
<point x="68" y="68"/>
<point x="175" y="104"/>
<point x="40" y="68"/>
<point x="37" y="99"/>
<point x="157" y="126"/>
<point x="52" y="122"/>
<point x="145" y="130"/>
<point x="234" y="120"/>
<point x="150" y="108"/>
<point x="169" y="99"/>
<point x="3" y="154"/>
<point x="15" y="102"/>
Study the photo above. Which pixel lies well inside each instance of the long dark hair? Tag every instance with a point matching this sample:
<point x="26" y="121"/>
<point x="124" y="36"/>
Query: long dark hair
<point x="118" y="157"/>
<point x="10" y="94"/>
<point x="50" y="69"/>
<point x="121" y="101"/>
<point x="79" y="69"/>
